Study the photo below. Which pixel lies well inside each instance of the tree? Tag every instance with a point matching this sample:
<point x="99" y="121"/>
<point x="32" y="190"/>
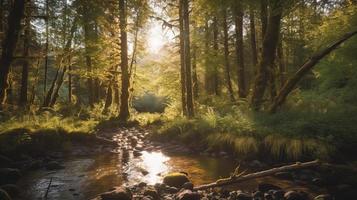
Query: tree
<point x="125" y="79"/>
<point x="306" y="67"/>
<point x="25" y="65"/>
<point x="240" y="50"/>
<point x="187" y="53"/>
<point x="9" y="45"/>
<point x="226" y="55"/>
<point x="270" y="43"/>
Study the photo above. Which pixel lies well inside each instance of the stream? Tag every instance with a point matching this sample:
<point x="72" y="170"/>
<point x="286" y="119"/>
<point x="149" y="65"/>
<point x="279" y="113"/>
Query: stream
<point x="88" y="172"/>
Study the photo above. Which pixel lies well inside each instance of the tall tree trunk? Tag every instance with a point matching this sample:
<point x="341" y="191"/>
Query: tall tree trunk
<point x="215" y="50"/>
<point x="1" y="16"/>
<point x="253" y="42"/>
<point x="187" y="50"/>
<point x="281" y="63"/>
<point x="208" y="70"/>
<point x="9" y="45"/>
<point x="109" y="98"/>
<point x="125" y="79"/>
<point x="52" y="94"/>
<point x="46" y="49"/>
<point x="88" y="50"/>
<point x="240" y="51"/>
<point x="226" y="55"/>
<point x="194" y="72"/>
<point x="270" y="43"/>
<point x="304" y="69"/>
<point x="25" y="65"/>
<point x="182" y="61"/>
<point x="264" y="16"/>
<point x="70" y="91"/>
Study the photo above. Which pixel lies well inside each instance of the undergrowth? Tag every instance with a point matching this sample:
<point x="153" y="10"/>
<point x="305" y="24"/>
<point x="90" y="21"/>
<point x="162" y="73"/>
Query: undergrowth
<point x="295" y="134"/>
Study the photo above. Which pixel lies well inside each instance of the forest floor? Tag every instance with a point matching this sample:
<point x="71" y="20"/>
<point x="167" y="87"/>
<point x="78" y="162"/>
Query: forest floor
<point x="126" y="157"/>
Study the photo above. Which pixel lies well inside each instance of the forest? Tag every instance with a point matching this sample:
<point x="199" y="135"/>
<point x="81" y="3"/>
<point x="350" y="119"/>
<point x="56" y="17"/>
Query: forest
<point x="178" y="99"/>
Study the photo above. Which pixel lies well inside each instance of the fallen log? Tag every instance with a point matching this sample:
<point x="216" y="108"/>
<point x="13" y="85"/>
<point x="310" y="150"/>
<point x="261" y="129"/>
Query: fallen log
<point x="241" y="178"/>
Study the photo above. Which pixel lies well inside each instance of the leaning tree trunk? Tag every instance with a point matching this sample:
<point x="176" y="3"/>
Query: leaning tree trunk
<point x="9" y="45"/>
<point x="226" y="56"/>
<point x="58" y="87"/>
<point x="125" y="79"/>
<point x="187" y="52"/>
<point x="240" y="52"/>
<point x="305" y="68"/>
<point x="270" y="43"/>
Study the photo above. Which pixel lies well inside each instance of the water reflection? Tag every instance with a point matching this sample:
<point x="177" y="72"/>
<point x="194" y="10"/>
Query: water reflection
<point x="83" y="178"/>
<point x="148" y="168"/>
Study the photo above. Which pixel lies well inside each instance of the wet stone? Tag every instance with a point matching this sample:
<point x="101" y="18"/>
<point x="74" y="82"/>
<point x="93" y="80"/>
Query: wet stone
<point x="293" y="195"/>
<point x="323" y="197"/>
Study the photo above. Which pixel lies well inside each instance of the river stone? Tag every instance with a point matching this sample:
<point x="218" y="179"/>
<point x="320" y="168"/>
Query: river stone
<point x="278" y="194"/>
<point x="293" y="195"/>
<point x="175" y="179"/>
<point x="258" y="195"/>
<point x="188" y="186"/>
<point x="243" y="196"/>
<point x="11" y="189"/>
<point x="4" y="195"/>
<point x="118" y="193"/>
<point x="188" y="195"/>
<point x="152" y="193"/>
<point x="9" y="175"/>
<point x="323" y="197"/>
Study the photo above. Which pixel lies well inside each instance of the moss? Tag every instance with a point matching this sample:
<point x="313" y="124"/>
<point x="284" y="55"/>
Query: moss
<point x="176" y="179"/>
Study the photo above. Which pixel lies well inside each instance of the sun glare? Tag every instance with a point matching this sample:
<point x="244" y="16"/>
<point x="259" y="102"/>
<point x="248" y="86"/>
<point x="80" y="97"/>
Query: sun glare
<point x="156" y="38"/>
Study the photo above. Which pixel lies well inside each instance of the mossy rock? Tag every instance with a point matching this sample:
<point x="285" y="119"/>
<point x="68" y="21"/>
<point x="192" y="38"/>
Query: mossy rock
<point x="176" y="179"/>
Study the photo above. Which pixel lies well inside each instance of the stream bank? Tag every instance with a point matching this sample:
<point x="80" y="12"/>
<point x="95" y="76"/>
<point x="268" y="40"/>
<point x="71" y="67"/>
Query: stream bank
<point x="84" y="171"/>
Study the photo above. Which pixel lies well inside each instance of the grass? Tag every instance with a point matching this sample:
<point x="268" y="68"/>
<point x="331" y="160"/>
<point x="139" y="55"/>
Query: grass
<point x="34" y="131"/>
<point x="295" y="134"/>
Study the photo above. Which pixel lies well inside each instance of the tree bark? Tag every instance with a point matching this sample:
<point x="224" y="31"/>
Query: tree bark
<point x="194" y="71"/>
<point x="215" y="51"/>
<point x="281" y="63"/>
<point x="125" y="79"/>
<point x="9" y="45"/>
<point x="240" y="51"/>
<point x="182" y="61"/>
<point x="305" y="68"/>
<point x="264" y="16"/>
<point x="253" y="42"/>
<point x="241" y="178"/>
<point x="187" y="52"/>
<point x="46" y="49"/>
<point x="226" y="55"/>
<point x="88" y="50"/>
<point x="109" y="98"/>
<point x="58" y="87"/>
<point x="25" y="65"/>
<point x="268" y="55"/>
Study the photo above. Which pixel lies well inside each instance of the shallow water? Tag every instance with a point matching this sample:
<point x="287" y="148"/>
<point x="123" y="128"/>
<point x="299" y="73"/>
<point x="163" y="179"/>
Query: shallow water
<point x="84" y="178"/>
